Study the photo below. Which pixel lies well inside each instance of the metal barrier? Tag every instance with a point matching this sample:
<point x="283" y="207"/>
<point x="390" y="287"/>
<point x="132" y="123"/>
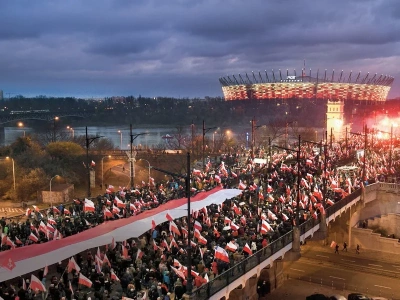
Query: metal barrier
<point x="224" y="279"/>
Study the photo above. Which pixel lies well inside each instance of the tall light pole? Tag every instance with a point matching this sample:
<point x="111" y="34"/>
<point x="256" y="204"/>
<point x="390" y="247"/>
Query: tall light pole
<point x="13" y="169"/>
<point x="89" y="140"/>
<point x="21" y="125"/>
<point x="205" y="130"/>
<point x="254" y="127"/>
<point x="149" y="166"/>
<point x="120" y="139"/>
<point x="189" y="284"/>
<point x="51" y="199"/>
<point x="54" y="128"/>
<point x="131" y="158"/>
<point x="72" y="131"/>
<point x="102" y="169"/>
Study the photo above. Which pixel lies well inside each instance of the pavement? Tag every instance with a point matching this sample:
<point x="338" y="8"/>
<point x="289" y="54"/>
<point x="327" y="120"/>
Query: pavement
<point x="320" y="270"/>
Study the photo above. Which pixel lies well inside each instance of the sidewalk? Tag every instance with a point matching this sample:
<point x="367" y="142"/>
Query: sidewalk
<point x="364" y="253"/>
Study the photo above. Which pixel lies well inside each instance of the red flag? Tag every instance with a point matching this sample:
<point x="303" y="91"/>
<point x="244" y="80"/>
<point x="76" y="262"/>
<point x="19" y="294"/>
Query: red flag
<point x="73" y="265"/>
<point x="70" y="288"/>
<point x="153" y="224"/>
<point x="113" y="244"/>
<point x="36" y="284"/>
<point x="174" y="228"/>
<point x="139" y="254"/>
<point x="23" y="284"/>
<point x="179" y="273"/>
<point x="197" y="225"/>
<point x="231" y="247"/>
<point x="33" y="237"/>
<point x="84" y="280"/>
<point x="125" y="254"/>
<point x="88" y="206"/>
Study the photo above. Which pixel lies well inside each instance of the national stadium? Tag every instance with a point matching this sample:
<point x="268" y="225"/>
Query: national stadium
<point x="286" y="85"/>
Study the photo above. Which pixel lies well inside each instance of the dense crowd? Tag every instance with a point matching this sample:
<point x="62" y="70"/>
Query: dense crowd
<point x="223" y="234"/>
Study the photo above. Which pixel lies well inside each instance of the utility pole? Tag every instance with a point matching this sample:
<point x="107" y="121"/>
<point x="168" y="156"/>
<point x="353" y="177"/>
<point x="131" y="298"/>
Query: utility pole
<point x="253" y="121"/>
<point x="131" y="158"/>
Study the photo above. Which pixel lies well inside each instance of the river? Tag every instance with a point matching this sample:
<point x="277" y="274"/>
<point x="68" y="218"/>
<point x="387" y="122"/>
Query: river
<point x="153" y="138"/>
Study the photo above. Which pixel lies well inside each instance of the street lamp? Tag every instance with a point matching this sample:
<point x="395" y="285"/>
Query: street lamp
<point x="102" y="169"/>
<point x="51" y="199"/>
<point x="131" y="158"/>
<point x="72" y="131"/>
<point x="120" y="136"/>
<point x="13" y="168"/>
<point x="189" y="285"/>
<point x="149" y="166"/>
<point x="21" y="125"/>
<point x="54" y="128"/>
<point x="88" y="142"/>
<point x="254" y="127"/>
<point x="205" y="130"/>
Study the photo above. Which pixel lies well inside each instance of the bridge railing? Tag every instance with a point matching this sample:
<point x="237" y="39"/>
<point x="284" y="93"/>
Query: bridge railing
<point x="224" y="279"/>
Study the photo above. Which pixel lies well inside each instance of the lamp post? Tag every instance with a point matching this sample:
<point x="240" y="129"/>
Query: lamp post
<point x="21" y="125"/>
<point x="89" y="140"/>
<point x="72" y="131"/>
<point x="149" y="166"/>
<point x="131" y="158"/>
<point x="102" y="169"/>
<point x="189" y="285"/>
<point x="13" y="169"/>
<point x="254" y="127"/>
<point x="51" y="199"/>
<point x="205" y="130"/>
<point x="54" y="128"/>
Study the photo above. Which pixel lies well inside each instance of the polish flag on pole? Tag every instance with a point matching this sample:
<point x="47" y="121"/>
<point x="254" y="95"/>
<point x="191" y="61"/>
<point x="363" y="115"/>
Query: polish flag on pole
<point x="285" y="217"/>
<point x="242" y="186"/>
<point x="119" y="202"/>
<point x="330" y="202"/>
<point x="174" y="228"/>
<point x="84" y="280"/>
<point x="72" y="265"/>
<point x="247" y="249"/>
<point x="33" y="237"/>
<point x="35" y="207"/>
<point x="234" y="226"/>
<point x="23" y="284"/>
<point x="70" y="288"/>
<point x="231" y="247"/>
<point x="107" y="213"/>
<point x="221" y="254"/>
<point x="227" y="220"/>
<point x="113" y="276"/>
<point x="179" y="273"/>
<point x="234" y="175"/>
<point x="36" y="284"/>
<point x="88" y="206"/>
<point x="333" y="244"/>
<point x="198" y="226"/>
<point x="217" y="178"/>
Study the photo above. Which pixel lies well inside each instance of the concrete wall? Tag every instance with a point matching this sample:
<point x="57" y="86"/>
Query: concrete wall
<point x="373" y="241"/>
<point x="390" y="223"/>
<point x="58" y="196"/>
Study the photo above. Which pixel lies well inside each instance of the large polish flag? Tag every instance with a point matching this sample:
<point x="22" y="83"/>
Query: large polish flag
<point x="30" y="259"/>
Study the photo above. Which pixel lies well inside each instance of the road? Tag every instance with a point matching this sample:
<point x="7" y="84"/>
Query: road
<point x="346" y="272"/>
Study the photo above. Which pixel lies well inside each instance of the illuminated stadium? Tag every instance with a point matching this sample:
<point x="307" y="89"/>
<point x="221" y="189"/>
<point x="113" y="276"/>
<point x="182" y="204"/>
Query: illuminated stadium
<point x="275" y="85"/>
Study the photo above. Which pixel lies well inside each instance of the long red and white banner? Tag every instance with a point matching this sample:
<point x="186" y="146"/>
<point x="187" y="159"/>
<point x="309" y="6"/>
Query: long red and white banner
<point x="31" y="258"/>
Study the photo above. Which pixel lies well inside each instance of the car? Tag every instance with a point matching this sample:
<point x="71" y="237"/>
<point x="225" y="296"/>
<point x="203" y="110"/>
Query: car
<point x="337" y="297"/>
<point x="357" y="296"/>
<point x="317" y="297"/>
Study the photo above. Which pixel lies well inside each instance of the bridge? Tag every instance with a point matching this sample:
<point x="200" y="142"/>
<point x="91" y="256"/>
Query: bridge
<point x="240" y="281"/>
<point x="41" y="115"/>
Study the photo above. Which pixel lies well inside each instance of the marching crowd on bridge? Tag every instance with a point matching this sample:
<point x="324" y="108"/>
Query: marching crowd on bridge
<point x="153" y="265"/>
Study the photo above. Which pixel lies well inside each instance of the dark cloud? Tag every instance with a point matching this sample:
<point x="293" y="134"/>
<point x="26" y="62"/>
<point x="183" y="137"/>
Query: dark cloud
<point x="181" y="48"/>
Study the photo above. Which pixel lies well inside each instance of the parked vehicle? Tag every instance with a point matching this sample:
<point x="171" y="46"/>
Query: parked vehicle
<point x="357" y="296"/>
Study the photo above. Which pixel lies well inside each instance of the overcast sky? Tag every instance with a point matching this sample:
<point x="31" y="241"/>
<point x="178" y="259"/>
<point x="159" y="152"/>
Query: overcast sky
<point x="181" y="47"/>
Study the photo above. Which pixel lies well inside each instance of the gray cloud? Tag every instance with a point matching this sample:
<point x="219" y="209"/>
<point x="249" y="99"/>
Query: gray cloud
<point x="181" y="48"/>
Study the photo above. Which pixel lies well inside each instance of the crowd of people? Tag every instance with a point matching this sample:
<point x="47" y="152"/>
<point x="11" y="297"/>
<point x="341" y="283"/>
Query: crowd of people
<point x="153" y="265"/>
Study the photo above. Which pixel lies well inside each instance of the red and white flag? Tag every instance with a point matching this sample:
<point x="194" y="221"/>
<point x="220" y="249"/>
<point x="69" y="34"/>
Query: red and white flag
<point x="45" y="271"/>
<point x="107" y="213"/>
<point x="139" y="254"/>
<point x="234" y="226"/>
<point x="119" y="202"/>
<point x="333" y="244"/>
<point x="36" y="284"/>
<point x="113" y="276"/>
<point x="179" y="273"/>
<point x="153" y="224"/>
<point x="72" y="265"/>
<point x="329" y="202"/>
<point x="174" y="228"/>
<point x="33" y="237"/>
<point x="247" y="249"/>
<point x="221" y="254"/>
<point x="70" y="288"/>
<point x="231" y="247"/>
<point x="35" y="208"/>
<point x="198" y="226"/>
<point x="92" y="164"/>
<point x="88" y="206"/>
<point x="169" y="217"/>
<point x="23" y="284"/>
<point x="242" y="186"/>
<point x="8" y="263"/>
<point x="84" y="280"/>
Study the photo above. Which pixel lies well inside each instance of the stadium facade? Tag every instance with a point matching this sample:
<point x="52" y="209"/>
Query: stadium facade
<point x="275" y="85"/>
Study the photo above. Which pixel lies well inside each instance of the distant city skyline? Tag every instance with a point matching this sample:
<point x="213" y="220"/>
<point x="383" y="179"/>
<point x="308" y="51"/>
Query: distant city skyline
<point x="180" y="48"/>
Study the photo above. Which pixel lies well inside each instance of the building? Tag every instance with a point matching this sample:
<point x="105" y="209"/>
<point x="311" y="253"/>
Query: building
<point x="274" y="85"/>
